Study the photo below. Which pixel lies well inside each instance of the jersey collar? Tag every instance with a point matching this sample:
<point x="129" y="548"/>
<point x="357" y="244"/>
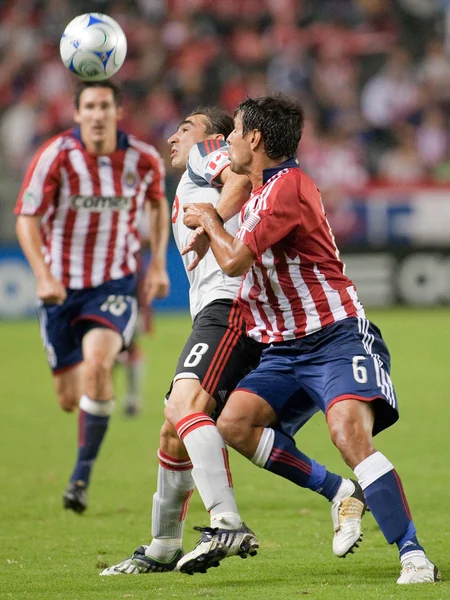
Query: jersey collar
<point x="122" y="138"/>
<point x="290" y="163"/>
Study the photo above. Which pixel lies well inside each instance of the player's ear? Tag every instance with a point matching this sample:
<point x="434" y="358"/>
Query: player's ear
<point x="255" y="139"/>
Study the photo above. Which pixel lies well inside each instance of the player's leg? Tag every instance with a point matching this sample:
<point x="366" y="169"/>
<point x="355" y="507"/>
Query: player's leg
<point x="361" y="400"/>
<point x="258" y="429"/>
<point x="175" y="486"/>
<point x="217" y="331"/>
<point x="132" y="361"/>
<point x="105" y="323"/>
<point x="100" y="349"/>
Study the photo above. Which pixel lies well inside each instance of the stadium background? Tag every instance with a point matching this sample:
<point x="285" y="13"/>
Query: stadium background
<point x="373" y="75"/>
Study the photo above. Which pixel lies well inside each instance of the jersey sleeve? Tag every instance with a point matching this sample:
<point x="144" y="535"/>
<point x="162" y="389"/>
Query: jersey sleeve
<point x="157" y="187"/>
<point x="206" y="161"/>
<point x="42" y="180"/>
<point x="277" y="212"/>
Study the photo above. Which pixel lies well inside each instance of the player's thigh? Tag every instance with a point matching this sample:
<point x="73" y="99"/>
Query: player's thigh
<point x="351" y="363"/>
<point x="217" y="353"/>
<point x="62" y="346"/>
<point x="69" y="387"/>
<point x="111" y="306"/>
<point x="101" y="346"/>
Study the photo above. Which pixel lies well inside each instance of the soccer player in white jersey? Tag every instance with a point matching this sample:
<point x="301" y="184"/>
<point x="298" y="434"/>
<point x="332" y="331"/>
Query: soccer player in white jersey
<point x="215" y="357"/>
<point x="323" y="353"/>
<point x="80" y="201"/>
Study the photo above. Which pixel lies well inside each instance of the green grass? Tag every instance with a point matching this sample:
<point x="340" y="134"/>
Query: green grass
<point x="47" y="553"/>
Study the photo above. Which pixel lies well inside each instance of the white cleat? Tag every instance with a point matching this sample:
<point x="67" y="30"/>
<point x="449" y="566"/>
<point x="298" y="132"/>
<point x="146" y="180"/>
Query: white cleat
<point x="347" y="515"/>
<point x="139" y="564"/>
<point x="416" y="568"/>
<point x="216" y="544"/>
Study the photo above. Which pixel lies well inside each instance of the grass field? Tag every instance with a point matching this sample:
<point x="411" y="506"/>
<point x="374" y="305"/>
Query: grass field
<point x="47" y="553"/>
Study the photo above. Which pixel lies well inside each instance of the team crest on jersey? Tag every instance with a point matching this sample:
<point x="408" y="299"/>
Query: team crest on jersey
<point x="130" y="178"/>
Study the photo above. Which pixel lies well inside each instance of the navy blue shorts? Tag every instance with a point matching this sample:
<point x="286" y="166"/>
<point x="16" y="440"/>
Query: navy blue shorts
<point x="347" y="359"/>
<point x="112" y="305"/>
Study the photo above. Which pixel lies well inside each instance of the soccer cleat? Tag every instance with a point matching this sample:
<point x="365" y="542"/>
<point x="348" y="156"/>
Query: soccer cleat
<point x="139" y="564"/>
<point x="75" y="497"/>
<point x="416" y="568"/>
<point x="216" y="544"/>
<point x="346" y="515"/>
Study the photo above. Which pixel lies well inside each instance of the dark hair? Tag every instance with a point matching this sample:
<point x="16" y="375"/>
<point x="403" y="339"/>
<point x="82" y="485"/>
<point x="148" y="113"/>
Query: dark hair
<point x="83" y="85"/>
<point x="279" y="120"/>
<point x="218" y="121"/>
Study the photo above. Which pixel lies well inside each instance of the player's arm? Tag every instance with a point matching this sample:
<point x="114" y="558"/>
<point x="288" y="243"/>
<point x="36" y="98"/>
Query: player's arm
<point x="49" y="289"/>
<point x="157" y="279"/>
<point x="233" y="256"/>
<point x="235" y="193"/>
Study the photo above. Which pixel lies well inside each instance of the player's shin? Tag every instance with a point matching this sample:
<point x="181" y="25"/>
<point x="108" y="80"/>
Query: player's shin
<point x="386" y="500"/>
<point x="211" y="471"/>
<point x="92" y="426"/>
<point x="278" y="453"/>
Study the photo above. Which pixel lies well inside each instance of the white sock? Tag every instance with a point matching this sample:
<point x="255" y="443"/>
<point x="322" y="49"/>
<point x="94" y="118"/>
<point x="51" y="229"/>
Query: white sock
<point x="170" y="503"/>
<point x="211" y="470"/>
<point x="264" y="448"/>
<point x="98" y="408"/>
<point x="372" y="468"/>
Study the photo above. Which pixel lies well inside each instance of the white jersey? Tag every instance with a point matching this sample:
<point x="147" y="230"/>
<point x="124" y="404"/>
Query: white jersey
<point x="199" y="184"/>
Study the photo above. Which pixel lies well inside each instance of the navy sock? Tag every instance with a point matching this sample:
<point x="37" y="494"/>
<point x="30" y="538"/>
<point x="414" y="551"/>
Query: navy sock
<point x="91" y="431"/>
<point x="387" y="502"/>
<point x="287" y="461"/>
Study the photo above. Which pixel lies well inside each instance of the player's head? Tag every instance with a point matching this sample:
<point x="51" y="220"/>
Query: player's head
<point x="272" y="125"/>
<point x="97" y="111"/>
<point x="204" y="122"/>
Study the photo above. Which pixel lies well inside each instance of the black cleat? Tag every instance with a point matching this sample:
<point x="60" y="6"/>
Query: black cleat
<point x="75" y="497"/>
<point x="139" y="564"/>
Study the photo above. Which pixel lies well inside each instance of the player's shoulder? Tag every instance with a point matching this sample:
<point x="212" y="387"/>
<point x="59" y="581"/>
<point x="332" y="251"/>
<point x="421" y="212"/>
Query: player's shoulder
<point x="207" y="147"/>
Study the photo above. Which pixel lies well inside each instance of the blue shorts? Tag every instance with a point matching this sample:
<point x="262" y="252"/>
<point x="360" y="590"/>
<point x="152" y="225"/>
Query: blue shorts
<point x="112" y="305"/>
<point x="347" y="359"/>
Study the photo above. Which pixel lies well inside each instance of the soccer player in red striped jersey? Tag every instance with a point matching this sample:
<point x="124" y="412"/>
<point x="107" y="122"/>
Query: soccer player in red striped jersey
<point x="214" y="359"/>
<point x="323" y="353"/>
<point x="77" y="216"/>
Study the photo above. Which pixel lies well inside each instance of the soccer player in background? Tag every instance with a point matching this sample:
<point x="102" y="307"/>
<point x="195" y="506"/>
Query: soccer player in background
<point x="80" y="201"/>
<point x="323" y="353"/>
<point x="215" y="357"/>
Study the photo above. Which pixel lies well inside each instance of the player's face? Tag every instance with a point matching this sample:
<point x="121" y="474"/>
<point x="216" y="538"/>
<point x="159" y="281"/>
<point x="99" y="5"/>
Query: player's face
<point x="190" y="132"/>
<point x="97" y="116"/>
<point x="240" y="150"/>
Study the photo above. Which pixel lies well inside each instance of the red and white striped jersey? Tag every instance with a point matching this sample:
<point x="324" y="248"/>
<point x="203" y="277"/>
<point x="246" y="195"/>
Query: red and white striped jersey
<point x="297" y="284"/>
<point x="90" y="205"/>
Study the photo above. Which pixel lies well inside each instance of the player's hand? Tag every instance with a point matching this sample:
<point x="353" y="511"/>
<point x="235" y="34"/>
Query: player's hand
<point x="156" y="283"/>
<point x="198" y="243"/>
<point x="195" y="214"/>
<point x="51" y="290"/>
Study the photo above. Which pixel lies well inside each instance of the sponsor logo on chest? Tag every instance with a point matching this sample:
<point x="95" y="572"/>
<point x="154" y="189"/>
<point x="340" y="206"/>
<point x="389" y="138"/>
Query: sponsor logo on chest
<point x="100" y="203"/>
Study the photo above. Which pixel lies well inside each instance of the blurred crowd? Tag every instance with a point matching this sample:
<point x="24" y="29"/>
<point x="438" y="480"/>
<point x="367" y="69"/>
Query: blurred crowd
<point x="373" y="76"/>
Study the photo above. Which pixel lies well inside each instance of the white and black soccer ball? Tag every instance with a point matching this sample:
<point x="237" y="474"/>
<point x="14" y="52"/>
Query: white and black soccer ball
<point x="93" y="46"/>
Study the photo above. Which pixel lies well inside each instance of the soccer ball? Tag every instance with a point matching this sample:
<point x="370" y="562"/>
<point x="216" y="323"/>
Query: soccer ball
<point x="93" y="46"/>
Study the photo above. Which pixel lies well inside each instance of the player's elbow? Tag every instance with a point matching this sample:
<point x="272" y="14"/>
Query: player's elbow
<point x="232" y="267"/>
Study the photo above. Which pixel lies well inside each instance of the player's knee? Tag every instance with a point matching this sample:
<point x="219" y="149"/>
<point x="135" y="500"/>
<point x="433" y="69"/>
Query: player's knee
<point x="351" y="433"/>
<point x="97" y="368"/>
<point x="67" y="401"/>
<point x="233" y="429"/>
